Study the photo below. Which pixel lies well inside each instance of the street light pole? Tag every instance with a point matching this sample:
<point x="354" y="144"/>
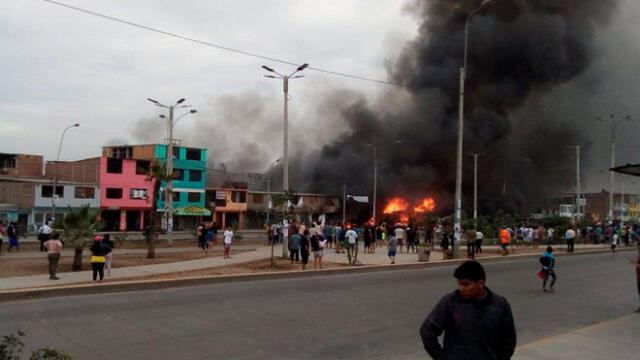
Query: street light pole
<point x="613" y="123"/>
<point x="458" y="193"/>
<point x="168" y="199"/>
<point x="269" y="189"/>
<point x="55" y="176"/>
<point x="375" y="180"/>
<point x="285" y="89"/>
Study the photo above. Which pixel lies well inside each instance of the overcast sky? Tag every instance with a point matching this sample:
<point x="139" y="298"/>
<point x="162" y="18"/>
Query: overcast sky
<point x="60" y="66"/>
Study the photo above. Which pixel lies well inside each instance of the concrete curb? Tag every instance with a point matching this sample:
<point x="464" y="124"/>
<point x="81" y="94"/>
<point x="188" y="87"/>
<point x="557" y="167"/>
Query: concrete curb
<point x="139" y="285"/>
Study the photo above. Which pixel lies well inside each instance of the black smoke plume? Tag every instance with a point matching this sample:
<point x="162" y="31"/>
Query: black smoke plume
<point x="518" y="51"/>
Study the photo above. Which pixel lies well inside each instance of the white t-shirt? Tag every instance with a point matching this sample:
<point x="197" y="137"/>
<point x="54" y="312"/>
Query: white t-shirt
<point x="228" y="236"/>
<point x="351" y="235"/>
<point x="399" y="233"/>
<point x="614" y="239"/>
<point x="479" y="235"/>
<point x="45" y="229"/>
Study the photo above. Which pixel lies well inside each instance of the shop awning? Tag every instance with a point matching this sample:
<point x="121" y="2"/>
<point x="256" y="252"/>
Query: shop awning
<point x="633" y="170"/>
<point x="192" y="210"/>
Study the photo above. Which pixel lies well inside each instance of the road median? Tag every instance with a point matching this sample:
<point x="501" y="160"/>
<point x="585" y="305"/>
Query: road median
<point x="154" y="284"/>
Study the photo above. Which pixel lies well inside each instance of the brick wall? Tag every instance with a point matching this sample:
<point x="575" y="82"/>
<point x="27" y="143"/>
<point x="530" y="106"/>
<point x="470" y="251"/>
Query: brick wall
<point x="86" y="171"/>
<point x="18" y="193"/>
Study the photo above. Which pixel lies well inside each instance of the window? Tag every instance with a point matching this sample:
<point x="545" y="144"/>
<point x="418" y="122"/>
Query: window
<point x="7" y="161"/>
<point x="176" y="152"/>
<point x="193" y="197"/>
<point x="122" y="152"/>
<point x="47" y="191"/>
<point x="178" y="174"/>
<point x="239" y="197"/>
<point x="195" y="175"/>
<point x="194" y="154"/>
<point x="142" y="167"/>
<point x="258" y="198"/>
<point x="138" y="194"/>
<point x="84" y="192"/>
<point x="114" y="166"/>
<point x="176" y="196"/>
<point x="114" y="193"/>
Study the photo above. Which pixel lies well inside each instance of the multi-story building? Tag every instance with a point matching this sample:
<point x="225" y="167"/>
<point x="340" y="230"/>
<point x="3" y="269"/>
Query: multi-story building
<point x="188" y="188"/>
<point x="125" y="192"/>
<point x="189" y="171"/>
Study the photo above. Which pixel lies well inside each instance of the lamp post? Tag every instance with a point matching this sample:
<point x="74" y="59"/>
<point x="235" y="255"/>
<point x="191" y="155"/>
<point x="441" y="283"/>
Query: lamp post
<point x="475" y="188"/>
<point x="269" y="189"/>
<point x="375" y="180"/>
<point x="578" y="188"/>
<point x="55" y="176"/>
<point x="458" y="200"/>
<point x="613" y="124"/>
<point x="170" y="124"/>
<point x="285" y="88"/>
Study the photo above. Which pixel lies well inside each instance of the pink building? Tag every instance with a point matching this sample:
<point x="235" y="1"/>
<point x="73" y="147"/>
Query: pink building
<point x="126" y="194"/>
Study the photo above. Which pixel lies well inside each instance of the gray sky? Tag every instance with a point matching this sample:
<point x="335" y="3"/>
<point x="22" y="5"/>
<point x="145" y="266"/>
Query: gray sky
<point x="60" y="66"/>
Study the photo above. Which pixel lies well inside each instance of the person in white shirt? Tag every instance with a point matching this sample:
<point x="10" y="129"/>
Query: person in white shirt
<point x="352" y="238"/>
<point x="228" y="238"/>
<point x="399" y="233"/>
<point x="570" y="236"/>
<point x="44" y="234"/>
<point x="615" y="240"/>
<point x="479" y="238"/>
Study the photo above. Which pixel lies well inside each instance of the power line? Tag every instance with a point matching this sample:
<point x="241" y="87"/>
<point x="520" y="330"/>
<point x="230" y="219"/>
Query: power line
<point x="220" y="47"/>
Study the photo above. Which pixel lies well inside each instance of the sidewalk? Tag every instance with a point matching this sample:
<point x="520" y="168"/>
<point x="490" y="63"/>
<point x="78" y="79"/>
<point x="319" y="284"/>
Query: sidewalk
<point x="66" y="278"/>
<point x="612" y="339"/>
<point x="119" y="251"/>
<point x="258" y="253"/>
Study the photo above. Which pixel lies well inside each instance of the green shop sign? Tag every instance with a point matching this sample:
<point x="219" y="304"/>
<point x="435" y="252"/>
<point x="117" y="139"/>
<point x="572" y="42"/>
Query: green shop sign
<point x="193" y="210"/>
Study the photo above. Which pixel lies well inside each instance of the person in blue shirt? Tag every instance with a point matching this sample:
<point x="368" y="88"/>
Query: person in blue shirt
<point x="548" y="262"/>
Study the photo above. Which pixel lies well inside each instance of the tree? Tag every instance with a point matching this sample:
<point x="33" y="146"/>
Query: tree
<point x="78" y="227"/>
<point x="158" y="173"/>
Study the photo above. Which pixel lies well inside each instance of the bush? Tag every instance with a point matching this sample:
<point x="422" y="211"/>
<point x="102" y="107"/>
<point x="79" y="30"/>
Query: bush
<point x="12" y="346"/>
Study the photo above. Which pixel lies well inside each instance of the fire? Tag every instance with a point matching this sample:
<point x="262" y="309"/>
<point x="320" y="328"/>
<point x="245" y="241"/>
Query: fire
<point x="396" y="205"/>
<point x="404" y="218"/>
<point x="427" y="204"/>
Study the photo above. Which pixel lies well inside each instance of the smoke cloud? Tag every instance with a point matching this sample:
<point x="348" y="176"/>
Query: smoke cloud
<point x="518" y="51"/>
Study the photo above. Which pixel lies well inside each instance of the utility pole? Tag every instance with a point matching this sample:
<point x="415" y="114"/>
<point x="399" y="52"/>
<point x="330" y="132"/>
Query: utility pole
<point x="285" y="89"/>
<point x="55" y="176"/>
<point x="168" y="199"/>
<point x="458" y="193"/>
<point x="613" y="124"/>
<point x="344" y="204"/>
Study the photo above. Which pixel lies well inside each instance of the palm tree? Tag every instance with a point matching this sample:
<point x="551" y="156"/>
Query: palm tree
<point x="78" y="227"/>
<point x="158" y="173"/>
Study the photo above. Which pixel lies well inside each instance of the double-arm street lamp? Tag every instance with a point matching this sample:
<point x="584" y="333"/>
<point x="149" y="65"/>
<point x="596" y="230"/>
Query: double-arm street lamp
<point x="613" y="124"/>
<point x="168" y="200"/>
<point x="55" y="176"/>
<point x="458" y="200"/>
<point x="285" y="88"/>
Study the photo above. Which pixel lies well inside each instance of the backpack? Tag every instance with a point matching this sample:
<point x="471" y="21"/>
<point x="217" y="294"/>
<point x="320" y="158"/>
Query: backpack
<point x="545" y="260"/>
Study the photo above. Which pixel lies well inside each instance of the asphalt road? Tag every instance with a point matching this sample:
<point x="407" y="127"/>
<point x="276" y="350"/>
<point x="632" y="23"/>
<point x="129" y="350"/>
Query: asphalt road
<point x="374" y="315"/>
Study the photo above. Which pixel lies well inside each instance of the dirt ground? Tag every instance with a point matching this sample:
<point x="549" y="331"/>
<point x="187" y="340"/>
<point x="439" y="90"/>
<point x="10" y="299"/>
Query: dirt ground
<point x="252" y="267"/>
<point x="40" y="265"/>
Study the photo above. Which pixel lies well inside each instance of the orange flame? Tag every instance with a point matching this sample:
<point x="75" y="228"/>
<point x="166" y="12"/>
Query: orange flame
<point x="395" y="205"/>
<point x="404" y="218"/>
<point x="427" y="204"/>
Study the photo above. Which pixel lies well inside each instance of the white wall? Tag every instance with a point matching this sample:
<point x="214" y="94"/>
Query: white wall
<point x="69" y="198"/>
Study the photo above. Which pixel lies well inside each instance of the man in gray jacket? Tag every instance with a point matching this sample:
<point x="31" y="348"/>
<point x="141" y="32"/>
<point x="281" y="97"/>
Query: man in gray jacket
<point x="476" y="322"/>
